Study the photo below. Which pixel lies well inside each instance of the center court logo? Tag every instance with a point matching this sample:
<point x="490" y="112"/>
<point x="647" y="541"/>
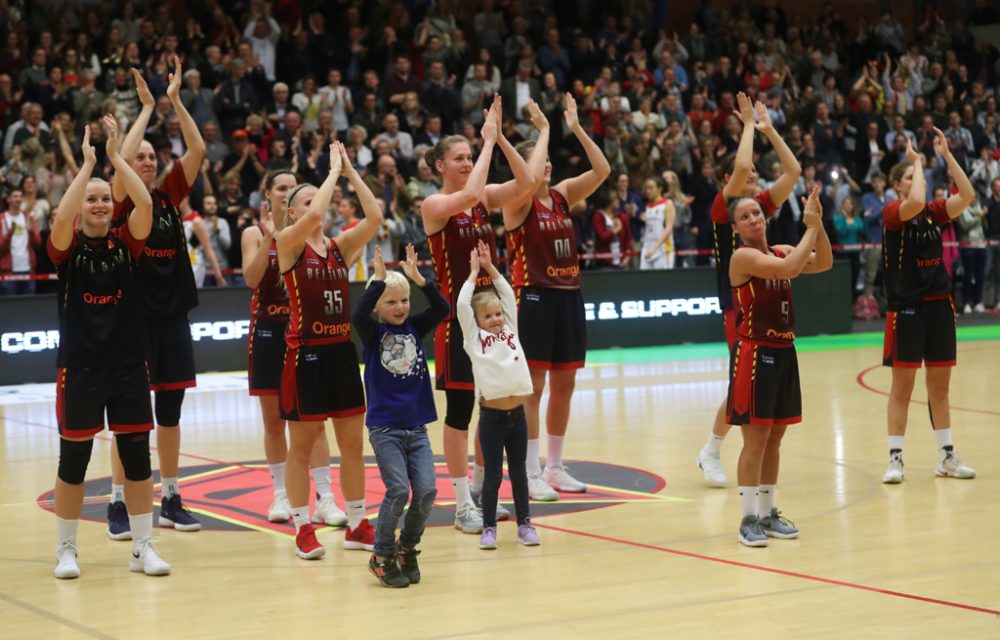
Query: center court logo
<point x="235" y="497"/>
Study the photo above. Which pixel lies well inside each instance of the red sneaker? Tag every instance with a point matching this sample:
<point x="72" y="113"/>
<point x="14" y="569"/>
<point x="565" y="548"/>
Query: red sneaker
<point x="307" y="546"/>
<point x="362" y="538"/>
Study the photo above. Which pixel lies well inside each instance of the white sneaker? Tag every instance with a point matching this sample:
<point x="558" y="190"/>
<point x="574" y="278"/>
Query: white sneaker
<point x="967" y="309"/>
<point x="327" y="512"/>
<point x="468" y="518"/>
<point x="559" y="479"/>
<point x="146" y="560"/>
<point x="951" y="467"/>
<point x="66" y="566"/>
<point x="711" y="466"/>
<point x="539" y="489"/>
<point x="979" y="308"/>
<point x="280" y="510"/>
<point x="894" y="474"/>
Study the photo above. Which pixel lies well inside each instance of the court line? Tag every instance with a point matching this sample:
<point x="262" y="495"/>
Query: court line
<point x="864" y="385"/>
<point x="54" y="617"/>
<point x="782" y="572"/>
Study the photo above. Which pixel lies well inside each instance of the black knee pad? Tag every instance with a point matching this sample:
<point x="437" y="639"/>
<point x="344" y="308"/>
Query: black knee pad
<point x="168" y="407"/>
<point x="133" y="451"/>
<point x="459" y="412"/>
<point x="74" y="456"/>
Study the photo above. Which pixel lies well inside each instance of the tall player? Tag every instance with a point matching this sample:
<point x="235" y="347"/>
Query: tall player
<point x="321" y="378"/>
<point x="101" y="368"/>
<point x="920" y="325"/>
<point x="545" y="273"/>
<point x="740" y="179"/>
<point x="166" y="293"/>
<point x="456" y="219"/>
<point x="268" y="322"/>
<point x="764" y="394"/>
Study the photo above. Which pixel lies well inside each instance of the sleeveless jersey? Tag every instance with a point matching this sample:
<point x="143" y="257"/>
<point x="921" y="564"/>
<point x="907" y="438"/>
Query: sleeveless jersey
<point x="765" y="310"/>
<point x="270" y="300"/>
<point x="100" y="319"/>
<point x="450" y="249"/>
<point x="725" y="241"/>
<point x="319" y="298"/>
<point x="913" y="255"/>
<point x="543" y="249"/>
<point x="166" y="282"/>
<point x="655" y="222"/>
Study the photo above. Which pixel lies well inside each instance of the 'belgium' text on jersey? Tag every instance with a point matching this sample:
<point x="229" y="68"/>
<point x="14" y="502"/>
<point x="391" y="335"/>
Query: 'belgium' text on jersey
<point x="319" y="298"/>
<point x="765" y="309"/>
<point x="543" y="249"/>
<point x="450" y="249"/>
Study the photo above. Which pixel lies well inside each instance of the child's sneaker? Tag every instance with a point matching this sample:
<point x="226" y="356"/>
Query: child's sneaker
<point x="502" y="513"/>
<point x="468" y="518"/>
<point x="327" y="512"/>
<point x="118" y="526"/>
<point x="777" y="526"/>
<point x="407" y="559"/>
<point x="951" y="467"/>
<point x="750" y="532"/>
<point x="560" y="480"/>
<point x="362" y="538"/>
<point x="174" y="514"/>
<point x="146" y="560"/>
<point x="539" y="489"/>
<point x="280" y="510"/>
<point x="489" y="538"/>
<point x="388" y="573"/>
<point x="527" y="535"/>
<point x="66" y="566"/>
<point x="894" y="474"/>
<point x="307" y="546"/>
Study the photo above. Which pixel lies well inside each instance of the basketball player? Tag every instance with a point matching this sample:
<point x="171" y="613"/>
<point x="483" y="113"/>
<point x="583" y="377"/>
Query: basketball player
<point x="740" y="179"/>
<point x="764" y="394"/>
<point x="920" y="325"/>
<point x="658" y="227"/>
<point x="455" y="219"/>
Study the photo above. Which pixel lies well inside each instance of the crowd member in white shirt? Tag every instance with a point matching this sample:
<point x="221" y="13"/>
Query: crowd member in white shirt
<point x="337" y="98"/>
<point x="264" y="33"/>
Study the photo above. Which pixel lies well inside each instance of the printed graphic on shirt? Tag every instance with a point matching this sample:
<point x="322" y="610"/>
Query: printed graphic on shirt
<point x="399" y="354"/>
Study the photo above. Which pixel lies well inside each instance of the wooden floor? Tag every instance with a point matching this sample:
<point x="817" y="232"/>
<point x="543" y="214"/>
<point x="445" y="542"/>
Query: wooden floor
<point x="636" y="558"/>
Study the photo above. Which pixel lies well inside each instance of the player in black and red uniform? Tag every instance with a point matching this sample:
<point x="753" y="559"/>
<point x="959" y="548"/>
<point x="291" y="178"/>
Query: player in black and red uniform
<point x="764" y="395"/>
<point x="920" y="325"/>
<point x="321" y="378"/>
<point x="456" y="219"/>
<point x="101" y="366"/>
<point x="268" y="321"/>
<point x="739" y="176"/>
<point x="167" y="293"/>
<point x="545" y="274"/>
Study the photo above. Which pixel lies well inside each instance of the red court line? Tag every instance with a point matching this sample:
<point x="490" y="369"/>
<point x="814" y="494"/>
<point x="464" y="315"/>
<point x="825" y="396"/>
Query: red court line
<point x="782" y="572"/>
<point x="861" y="381"/>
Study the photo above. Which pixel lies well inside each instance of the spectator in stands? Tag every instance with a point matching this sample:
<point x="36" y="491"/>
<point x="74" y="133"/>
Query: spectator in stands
<point x="236" y="98"/>
<point x="19" y="242"/>
<point x="197" y="98"/>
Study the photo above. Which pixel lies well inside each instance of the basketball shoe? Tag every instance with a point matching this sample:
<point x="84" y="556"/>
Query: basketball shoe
<point x="174" y="514"/>
<point x="468" y="518"/>
<point x="539" y="489"/>
<point x="118" y="526"/>
<point x="711" y="466"/>
<point x="951" y="466"/>
<point x="559" y="479"/>
<point x="280" y="510"/>
<point x="502" y="512"/>
<point x="894" y="474"/>
<point x="307" y="546"/>
<point x="329" y="513"/>
<point x="66" y="566"/>
<point x="750" y="532"/>
<point x="362" y="538"/>
<point x="146" y="560"/>
<point x="778" y="526"/>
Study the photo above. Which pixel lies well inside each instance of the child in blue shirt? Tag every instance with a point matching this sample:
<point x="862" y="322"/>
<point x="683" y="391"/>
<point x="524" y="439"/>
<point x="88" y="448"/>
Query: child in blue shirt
<point x="400" y="406"/>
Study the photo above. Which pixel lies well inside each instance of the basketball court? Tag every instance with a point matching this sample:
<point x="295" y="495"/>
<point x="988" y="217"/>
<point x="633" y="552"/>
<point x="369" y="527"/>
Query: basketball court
<point x="648" y="552"/>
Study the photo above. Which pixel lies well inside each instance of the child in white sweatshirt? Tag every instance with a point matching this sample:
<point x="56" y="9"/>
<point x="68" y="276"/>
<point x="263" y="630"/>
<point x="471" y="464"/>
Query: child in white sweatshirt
<point x="489" y="327"/>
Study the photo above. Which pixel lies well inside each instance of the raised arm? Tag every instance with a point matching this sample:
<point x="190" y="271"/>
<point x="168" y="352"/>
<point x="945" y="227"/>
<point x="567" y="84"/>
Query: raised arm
<point x="256" y="245"/>
<point x="524" y="182"/>
<point x="140" y="221"/>
<point x="361" y="316"/>
<point x="515" y="212"/>
<point x="958" y="202"/>
<point x="744" y="151"/>
<point x="582" y="186"/>
<point x="790" y="167"/>
<point x="752" y="263"/>
<point x="917" y="198"/>
<point x="291" y="238"/>
<point x="72" y="200"/>
<point x="136" y="134"/>
<point x="191" y="160"/>
<point x="356" y="238"/>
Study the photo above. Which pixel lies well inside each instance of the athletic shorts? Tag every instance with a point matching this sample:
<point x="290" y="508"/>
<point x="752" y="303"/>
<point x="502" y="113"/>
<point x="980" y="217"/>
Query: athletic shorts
<point x="452" y="366"/>
<point x="83" y="396"/>
<point x="170" y="352"/>
<point x="267" y="357"/>
<point x="320" y="382"/>
<point x="729" y="321"/>
<point x="763" y="385"/>
<point x="924" y="333"/>
<point x="552" y="327"/>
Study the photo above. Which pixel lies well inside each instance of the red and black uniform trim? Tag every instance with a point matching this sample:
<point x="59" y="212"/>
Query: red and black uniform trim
<point x="269" y="312"/>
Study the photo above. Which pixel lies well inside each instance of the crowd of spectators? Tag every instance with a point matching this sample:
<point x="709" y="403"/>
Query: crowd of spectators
<point x="270" y="83"/>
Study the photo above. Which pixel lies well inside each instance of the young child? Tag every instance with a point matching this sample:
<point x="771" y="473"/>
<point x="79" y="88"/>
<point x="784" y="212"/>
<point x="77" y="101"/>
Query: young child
<point x="400" y="406"/>
<point x="489" y="327"/>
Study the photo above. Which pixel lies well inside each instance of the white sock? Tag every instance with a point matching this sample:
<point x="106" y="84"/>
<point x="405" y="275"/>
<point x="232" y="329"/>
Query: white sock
<point x="355" y="513"/>
<point x="117" y="492"/>
<point x="300" y="515"/>
<point x="713" y="447"/>
<point x="943" y="439"/>
<point x="748" y="501"/>
<point x="142" y="527"/>
<point x="168" y="487"/>
<point x="765" y="499"/>
<point x="478" y="473"/>
<point x="277" y="472"/>
<point x="533" y="465"/>
<point x="553" y="455"/>
<point x="462" y="493"/>
<point x="896" y="442"/>
<point x="66" y="529"/>
<point x="321" y="478"/>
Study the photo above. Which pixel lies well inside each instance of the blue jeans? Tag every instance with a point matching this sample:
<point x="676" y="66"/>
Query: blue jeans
<point x="499" y="430"/>
<point x="404" y="460"/>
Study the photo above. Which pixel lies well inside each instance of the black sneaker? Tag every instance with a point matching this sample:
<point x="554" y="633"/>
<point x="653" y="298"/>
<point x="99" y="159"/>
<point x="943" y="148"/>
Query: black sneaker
<point x="407" y="559"/>
<point x="174" y="514"/>
<point x="118" y="526"/>
<point x="388" y="573"/>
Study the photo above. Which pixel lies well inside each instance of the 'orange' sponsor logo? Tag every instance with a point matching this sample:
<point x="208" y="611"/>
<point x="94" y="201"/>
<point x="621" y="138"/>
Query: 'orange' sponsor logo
<point x="563" y="272"/>
<point x="90" y="298"/>
<point x="331" y="330"/>
<point x="160" y="253"/>
<point x="277" y="310"/>
<point x="932" y="262"/>
<point x="780" y="335"/>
